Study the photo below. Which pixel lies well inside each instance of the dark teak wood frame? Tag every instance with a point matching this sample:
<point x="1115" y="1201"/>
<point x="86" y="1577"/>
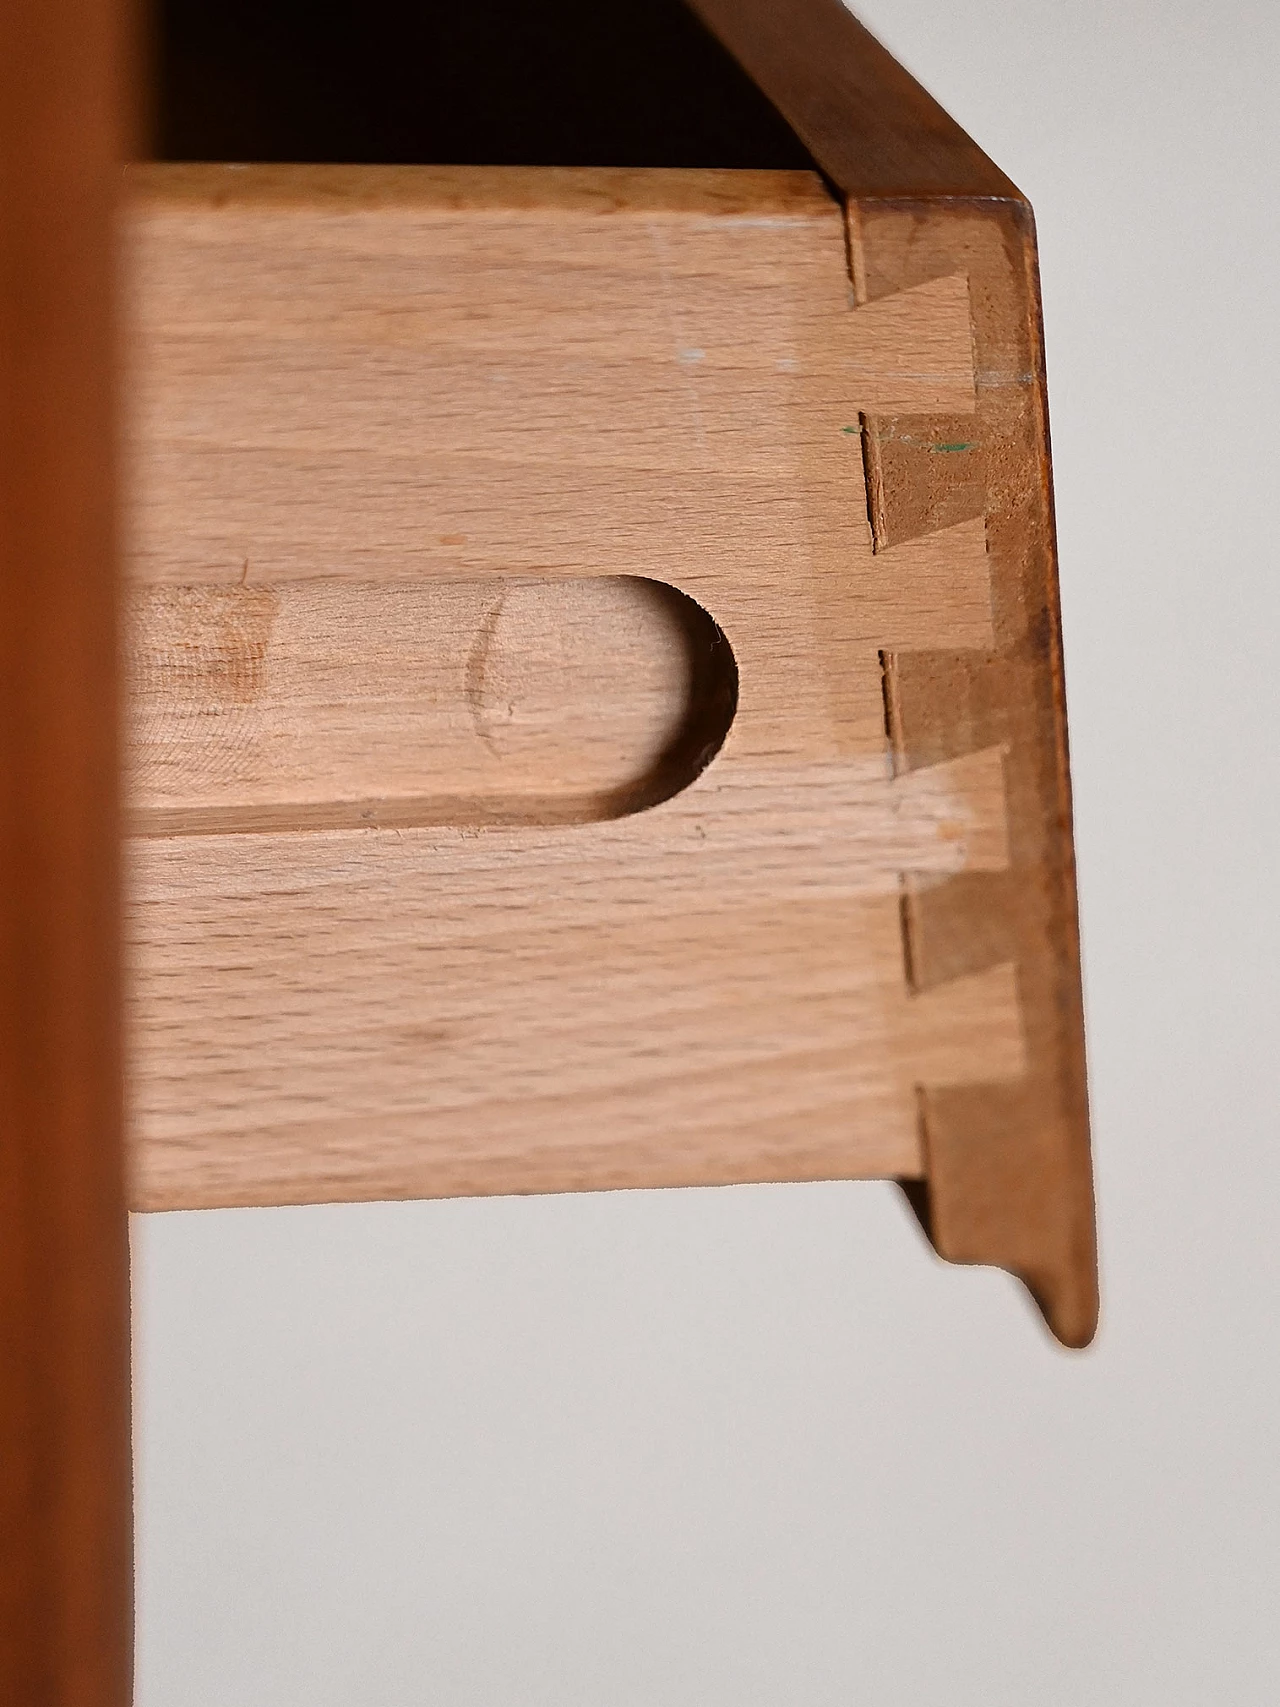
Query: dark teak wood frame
<point x="65" y="1623"/>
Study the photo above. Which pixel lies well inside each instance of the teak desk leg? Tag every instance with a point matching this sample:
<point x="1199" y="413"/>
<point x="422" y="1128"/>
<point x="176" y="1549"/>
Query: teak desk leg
<point x="65" y="1622"/>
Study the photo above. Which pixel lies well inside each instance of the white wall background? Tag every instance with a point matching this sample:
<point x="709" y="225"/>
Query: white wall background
<point x="756" y="1446"/>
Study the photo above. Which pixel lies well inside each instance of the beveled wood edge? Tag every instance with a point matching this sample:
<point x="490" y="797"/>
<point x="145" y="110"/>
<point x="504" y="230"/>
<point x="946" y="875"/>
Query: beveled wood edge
<point x="1009" y="1172"/>
<point x="1009" y="1176"/>
<point x="540" y="192"/>
<point x="869" y="125"/>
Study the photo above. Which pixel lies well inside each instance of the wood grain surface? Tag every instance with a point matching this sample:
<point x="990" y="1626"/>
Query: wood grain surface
<point x="64" y="1330"/>
<point x="384" y="384"/>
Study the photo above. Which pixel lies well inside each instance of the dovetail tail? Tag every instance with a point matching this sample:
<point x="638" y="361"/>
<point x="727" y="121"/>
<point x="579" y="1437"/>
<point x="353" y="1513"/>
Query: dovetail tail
<point x="892" y="712"/>
<point x="873" y="480"/>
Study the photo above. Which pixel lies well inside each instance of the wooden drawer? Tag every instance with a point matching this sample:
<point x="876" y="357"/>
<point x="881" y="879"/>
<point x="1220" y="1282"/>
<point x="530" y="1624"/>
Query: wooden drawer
<point x="596" y="708"/>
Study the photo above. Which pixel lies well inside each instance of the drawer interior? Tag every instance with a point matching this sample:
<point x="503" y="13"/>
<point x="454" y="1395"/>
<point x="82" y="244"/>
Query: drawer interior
<point x="494" y="82"/>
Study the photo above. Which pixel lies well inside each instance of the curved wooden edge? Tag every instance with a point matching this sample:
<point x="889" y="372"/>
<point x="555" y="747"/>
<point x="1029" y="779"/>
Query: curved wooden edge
<point x="1009" y="1175"/>
<point x="1009" y="1172"/>
<point x="65" y="1525"/>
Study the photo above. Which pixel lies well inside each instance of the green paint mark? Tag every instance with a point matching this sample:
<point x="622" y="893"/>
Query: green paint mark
<point x="967" y="444"/>
<point x="851" y="429"/>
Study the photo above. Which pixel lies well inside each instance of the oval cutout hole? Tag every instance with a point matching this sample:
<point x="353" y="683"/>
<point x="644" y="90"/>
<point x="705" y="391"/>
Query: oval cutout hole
<point x="335" y="705"/>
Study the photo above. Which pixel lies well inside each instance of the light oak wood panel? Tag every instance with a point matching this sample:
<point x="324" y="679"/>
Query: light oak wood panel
<point x="398" y="379"/>
<point x="360" y="372"/>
